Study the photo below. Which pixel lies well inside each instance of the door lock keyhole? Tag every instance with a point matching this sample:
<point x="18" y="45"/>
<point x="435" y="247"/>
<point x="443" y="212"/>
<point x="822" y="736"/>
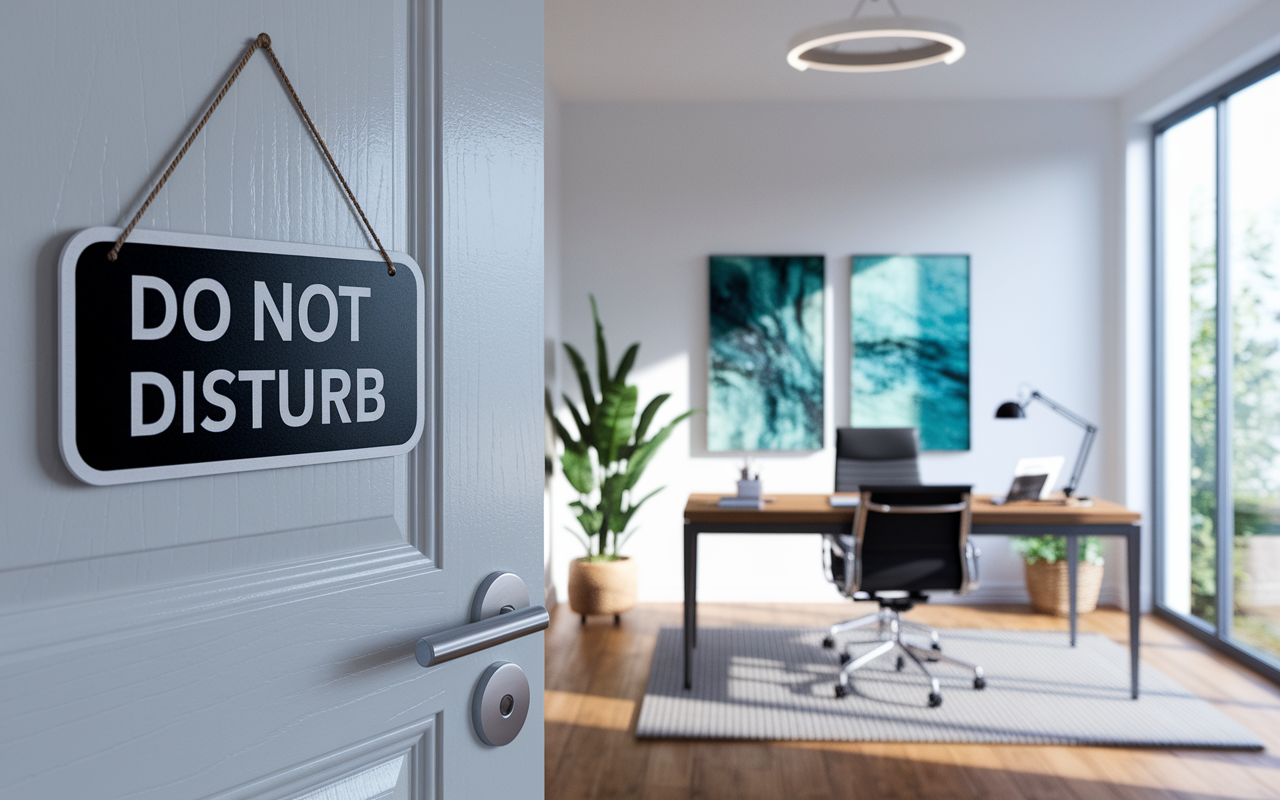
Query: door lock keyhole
<point x="500" y="703"/>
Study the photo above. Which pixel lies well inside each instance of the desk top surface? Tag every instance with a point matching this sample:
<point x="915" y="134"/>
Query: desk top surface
<point x="816" y="508"/>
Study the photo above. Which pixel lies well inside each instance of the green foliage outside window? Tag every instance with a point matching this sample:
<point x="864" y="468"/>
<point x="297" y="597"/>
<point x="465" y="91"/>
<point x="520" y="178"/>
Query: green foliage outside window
<point x="1255" y="408"/>
<point x="1204" y="427"/>
<point x="1255" y="388"/>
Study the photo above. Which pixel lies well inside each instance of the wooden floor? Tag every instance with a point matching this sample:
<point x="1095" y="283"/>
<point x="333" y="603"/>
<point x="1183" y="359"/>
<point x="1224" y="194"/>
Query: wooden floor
<point x="596" y="677"/>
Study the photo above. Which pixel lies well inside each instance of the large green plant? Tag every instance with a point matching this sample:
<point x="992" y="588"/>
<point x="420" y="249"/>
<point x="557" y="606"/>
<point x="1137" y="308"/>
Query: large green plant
<point x="605" y="460"/>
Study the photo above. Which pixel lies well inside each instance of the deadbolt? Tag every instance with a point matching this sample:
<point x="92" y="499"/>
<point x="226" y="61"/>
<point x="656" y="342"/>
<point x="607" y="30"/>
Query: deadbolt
<point x="500" y="703"/>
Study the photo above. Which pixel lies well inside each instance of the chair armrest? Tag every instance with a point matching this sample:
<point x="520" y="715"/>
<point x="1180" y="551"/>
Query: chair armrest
<point x="839" y="548"/>
<point x="972" y="568"/>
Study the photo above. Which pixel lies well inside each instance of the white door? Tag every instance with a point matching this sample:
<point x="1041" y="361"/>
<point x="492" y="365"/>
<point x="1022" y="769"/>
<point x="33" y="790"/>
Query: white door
<point x="252" y="635"/>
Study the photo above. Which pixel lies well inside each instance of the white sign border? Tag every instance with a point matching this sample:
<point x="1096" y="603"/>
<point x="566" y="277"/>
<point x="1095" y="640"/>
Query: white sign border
<point x="67" y="355"/>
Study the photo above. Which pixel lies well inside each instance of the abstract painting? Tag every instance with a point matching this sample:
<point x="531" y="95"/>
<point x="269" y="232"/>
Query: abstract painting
<point x="767" y="341"/>
<point x="911" y="346"/>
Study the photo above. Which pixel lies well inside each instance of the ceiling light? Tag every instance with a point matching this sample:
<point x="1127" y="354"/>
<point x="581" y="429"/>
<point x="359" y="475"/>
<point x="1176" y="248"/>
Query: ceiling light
<point x="929" y="42"/>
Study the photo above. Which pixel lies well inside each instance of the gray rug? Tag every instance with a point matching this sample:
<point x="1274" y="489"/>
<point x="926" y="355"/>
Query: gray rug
<point x="777" y="683"/>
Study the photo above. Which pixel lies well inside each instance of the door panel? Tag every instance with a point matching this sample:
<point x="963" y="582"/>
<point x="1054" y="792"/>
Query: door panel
<point x="400" y="766"/>
<point x="251" y="635"/>
<point x="111" y="90"/>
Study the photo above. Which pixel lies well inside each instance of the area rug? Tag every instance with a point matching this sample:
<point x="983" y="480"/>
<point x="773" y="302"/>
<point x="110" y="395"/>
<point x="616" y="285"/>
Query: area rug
<point x="777" y="684"/>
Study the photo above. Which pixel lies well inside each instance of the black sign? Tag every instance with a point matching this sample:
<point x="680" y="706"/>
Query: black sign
<point x="194" y="355"/>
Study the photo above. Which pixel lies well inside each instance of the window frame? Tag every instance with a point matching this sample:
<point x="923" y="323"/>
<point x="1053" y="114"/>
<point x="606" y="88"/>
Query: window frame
<point x="1218" y="635"/>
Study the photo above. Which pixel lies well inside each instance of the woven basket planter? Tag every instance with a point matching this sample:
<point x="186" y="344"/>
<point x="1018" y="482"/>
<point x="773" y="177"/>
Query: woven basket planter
<point x="603" y="587"/>
<point x="1051" y="592"/>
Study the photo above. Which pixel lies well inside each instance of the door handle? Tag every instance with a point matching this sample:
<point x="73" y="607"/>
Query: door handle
<point x="500" y="612"/>
<point x="476" y="636"/>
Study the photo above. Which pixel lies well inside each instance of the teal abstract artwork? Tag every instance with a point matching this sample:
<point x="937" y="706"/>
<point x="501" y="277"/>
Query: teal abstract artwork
<point x="911" y="346"/>
<point x="767" y="341"/>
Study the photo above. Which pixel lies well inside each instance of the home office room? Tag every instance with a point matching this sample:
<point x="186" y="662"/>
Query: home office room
<point x="918" y="349"/>
<point x="672" y="399"/>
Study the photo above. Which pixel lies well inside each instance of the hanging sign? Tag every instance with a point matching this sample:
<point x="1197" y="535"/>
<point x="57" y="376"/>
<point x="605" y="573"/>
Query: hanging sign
<point x="195" y="355"/>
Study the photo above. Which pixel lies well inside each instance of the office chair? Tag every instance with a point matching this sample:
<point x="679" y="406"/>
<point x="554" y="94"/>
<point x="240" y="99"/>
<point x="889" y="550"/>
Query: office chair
<point x="876" y="456"/>
<point x="906" y="540"/>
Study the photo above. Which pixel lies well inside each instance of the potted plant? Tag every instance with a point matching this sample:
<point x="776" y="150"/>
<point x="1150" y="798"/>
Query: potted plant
<point x="1045" y="566"/>
<point x="603" y="463"/>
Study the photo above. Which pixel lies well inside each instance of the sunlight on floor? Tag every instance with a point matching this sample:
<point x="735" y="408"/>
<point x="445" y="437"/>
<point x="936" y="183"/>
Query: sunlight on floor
<point x="1147" y="769"/>
<point x="589" y="711"/>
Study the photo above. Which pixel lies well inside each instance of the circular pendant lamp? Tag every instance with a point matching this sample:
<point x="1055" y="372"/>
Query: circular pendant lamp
<point x="930" y="42"/>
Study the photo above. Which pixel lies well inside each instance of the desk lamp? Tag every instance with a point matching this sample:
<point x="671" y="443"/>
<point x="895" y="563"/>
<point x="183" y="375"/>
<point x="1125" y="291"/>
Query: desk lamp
<point x="1015" y="410"/>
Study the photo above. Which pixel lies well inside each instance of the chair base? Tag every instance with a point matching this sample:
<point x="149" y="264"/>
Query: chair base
<point x="889" y="622"/>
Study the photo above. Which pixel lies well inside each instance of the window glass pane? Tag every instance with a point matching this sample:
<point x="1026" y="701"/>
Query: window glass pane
<point x="1253" y="159"/>
<point x="1190" y="365"/>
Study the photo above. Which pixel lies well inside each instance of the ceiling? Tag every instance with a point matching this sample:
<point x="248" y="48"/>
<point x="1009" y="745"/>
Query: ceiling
<point x="710" y="50"/>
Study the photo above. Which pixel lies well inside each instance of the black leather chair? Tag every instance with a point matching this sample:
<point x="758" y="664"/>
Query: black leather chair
<point x="876" y="456"/>
<point x="906" y="541"/>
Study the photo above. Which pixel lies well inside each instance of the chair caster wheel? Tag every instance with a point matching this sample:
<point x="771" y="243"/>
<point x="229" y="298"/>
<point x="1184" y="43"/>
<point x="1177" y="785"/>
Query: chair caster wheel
<point x="829" y="643"/>
<point x="841" y="691"/>
<point x="845" y="658"/>
<point x="979" y="682"/>
<point x="935" y="646"/>
<point x="935" y="699"/>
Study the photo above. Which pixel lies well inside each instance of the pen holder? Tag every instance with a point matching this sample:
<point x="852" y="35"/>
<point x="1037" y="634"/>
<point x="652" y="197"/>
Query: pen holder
<point x="749" y="488"/>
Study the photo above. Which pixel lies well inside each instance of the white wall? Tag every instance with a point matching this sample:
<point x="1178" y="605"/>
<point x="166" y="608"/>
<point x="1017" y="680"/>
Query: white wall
<point x="1027" y="188"/>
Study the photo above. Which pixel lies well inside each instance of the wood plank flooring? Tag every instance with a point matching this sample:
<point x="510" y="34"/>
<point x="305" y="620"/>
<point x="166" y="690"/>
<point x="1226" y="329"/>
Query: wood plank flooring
<point x="596" y="676"/>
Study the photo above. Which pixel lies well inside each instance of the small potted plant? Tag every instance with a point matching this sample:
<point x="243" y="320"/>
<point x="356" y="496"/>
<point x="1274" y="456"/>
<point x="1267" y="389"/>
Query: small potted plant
<point x="1045" y="566"/>
<point x="604" y="463"/>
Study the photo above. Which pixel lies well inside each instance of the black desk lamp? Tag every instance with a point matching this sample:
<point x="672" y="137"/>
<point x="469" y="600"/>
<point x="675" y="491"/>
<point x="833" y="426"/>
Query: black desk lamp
<point x="1015" y="410"/>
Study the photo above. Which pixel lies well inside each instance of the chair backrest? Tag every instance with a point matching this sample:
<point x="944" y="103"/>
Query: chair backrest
<point x="913" y="538"/>
<point x="876" y="456"/>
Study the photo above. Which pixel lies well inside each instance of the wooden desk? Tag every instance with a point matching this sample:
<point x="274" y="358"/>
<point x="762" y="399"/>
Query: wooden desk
<point x="812" y="513"/>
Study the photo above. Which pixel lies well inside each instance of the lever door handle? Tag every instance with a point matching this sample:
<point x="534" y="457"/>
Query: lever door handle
<point x="476" y="636"/>
<point x="500" y="612"/>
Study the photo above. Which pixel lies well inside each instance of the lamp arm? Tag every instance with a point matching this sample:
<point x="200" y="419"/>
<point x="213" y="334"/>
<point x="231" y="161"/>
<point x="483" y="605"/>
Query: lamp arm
<point x="1070" y="489"/>
<point x="1071" y="415"/>
<point x="1090" y="431"/>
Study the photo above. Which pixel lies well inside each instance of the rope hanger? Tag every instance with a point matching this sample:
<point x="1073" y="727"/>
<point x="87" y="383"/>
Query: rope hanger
<point x="262" y="42"/>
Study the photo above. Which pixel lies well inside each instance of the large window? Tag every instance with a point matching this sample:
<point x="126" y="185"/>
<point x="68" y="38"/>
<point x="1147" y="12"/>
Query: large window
<point x="1218" y="300"/>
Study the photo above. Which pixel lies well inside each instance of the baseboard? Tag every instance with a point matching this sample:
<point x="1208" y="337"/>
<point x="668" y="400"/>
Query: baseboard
<point x="989" y="594"/>
<point x="1016" y="594"/>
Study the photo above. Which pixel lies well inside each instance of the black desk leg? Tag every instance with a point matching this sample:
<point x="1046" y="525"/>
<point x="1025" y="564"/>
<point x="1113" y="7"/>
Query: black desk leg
<point x="690" y="600"/>
<point x="1073" y="554"/>
<point x="1135" y="611"/>
<point x="693" y="581"/>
